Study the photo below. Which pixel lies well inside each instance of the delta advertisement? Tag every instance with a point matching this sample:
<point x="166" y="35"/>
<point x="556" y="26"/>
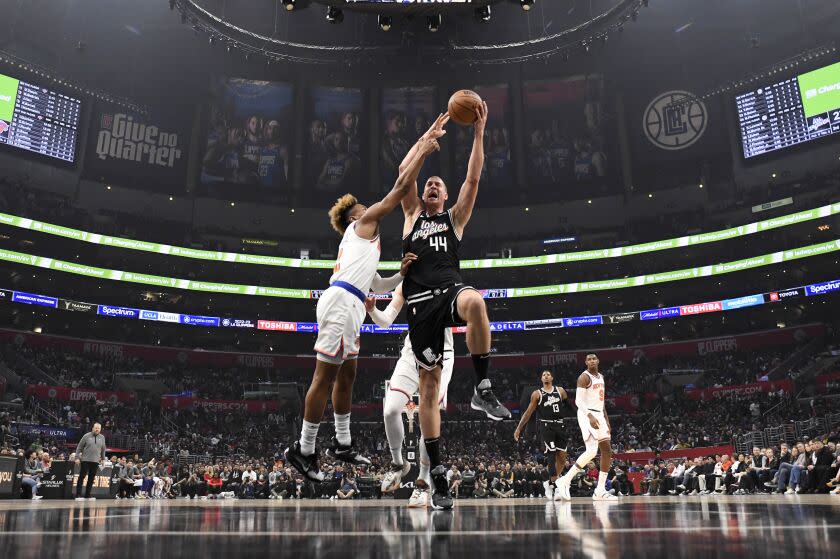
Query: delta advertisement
<point x="132" y="150"/>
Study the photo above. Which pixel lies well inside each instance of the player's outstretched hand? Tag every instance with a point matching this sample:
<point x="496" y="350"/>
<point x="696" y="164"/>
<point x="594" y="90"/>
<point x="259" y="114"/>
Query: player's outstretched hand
<point x="516" y="435"/>
<point x="407" y="260"/>
<point x="428" y="145"/>
<point x="481" y="117"/>
<point x="436" y="130"/>
<point x="370" y="303"/>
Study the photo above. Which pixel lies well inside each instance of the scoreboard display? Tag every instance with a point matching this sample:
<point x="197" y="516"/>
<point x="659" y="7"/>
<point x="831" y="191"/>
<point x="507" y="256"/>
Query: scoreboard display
<point x="38" y="119"/>
<point x="790" y="112"/>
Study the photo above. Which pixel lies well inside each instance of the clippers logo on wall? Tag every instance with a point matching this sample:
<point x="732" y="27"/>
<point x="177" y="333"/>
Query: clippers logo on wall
<point x="675" y="120"/>
<point x="674" y="135"/>
<point x="131" y="150"/>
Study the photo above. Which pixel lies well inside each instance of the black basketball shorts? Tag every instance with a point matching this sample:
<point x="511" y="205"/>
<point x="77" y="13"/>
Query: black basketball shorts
<point x="430" y="312"/>
<point x="554" y="436"/>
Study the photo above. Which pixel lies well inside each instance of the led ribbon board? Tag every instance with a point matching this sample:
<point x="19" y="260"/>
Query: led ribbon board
<point x="487" y="263"/>
<point x="665" y="313"/>
<point x="500" y="293"/>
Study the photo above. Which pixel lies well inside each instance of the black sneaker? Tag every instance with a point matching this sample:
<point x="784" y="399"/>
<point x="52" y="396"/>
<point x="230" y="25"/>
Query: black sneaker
<point x="347" y="454"/>
<point x="441" y="497"/>
<point x="484" y="400"/>
<point x="306" y="465"/>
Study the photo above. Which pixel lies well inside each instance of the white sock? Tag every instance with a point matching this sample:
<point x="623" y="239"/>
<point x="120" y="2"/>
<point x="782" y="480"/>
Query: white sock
<point x="570" y="475"/>
<point x="394" y="430"/>
<point x="602" y="479"/>
<point x="308" y="434"/>
<point x="342" y="429"/>
<point x="425" y="463"/>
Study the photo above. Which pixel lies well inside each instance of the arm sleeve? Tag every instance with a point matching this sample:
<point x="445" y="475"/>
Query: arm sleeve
<point x="386" y="285"/>
<point x="385" y="319"/>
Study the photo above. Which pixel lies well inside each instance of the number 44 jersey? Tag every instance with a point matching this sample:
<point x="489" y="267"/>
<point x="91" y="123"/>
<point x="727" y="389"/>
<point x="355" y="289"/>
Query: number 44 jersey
<point x="434" y="241"/>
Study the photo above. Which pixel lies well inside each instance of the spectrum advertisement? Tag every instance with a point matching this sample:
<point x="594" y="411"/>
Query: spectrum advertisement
<point x="520" y="325"/>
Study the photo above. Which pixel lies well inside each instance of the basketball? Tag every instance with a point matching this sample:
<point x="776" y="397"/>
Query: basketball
<point x="462" y="106"/>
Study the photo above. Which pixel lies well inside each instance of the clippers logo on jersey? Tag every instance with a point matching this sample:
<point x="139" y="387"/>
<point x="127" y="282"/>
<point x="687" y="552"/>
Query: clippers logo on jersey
<point x="428" y="229"/>
<point x="551" y="400"/>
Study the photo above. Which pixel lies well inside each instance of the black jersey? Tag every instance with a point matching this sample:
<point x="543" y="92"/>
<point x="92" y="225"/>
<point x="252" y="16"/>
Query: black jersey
<point x="433" y="240"/>
<point x="551" y="405"/>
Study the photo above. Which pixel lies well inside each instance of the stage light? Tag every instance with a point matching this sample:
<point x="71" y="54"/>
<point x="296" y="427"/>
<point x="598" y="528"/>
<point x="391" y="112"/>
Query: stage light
<point x="334" y="15"/>
<point x="433" y="22"/>
<point x="526" y="4"/>
<point x="290" y="5"/>
<point x="483" y="14"/>
<point x="385" y="22"/>
<point x="212" y="40"/>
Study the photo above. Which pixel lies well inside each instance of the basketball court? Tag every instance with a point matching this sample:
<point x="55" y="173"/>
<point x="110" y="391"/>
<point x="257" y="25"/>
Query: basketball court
<point x="762" y="526"/>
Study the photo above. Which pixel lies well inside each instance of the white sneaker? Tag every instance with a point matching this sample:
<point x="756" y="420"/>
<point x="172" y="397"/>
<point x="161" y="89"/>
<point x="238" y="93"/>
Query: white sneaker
<point x="790" y="491"/>
<point x="392" y="480"/>
<point x="37" y="497"/>
<point x="81" y="499"/>
<point x="563" y="487"/>
<point x="603" y="496"/>
<point x="549" y="490"/>
<point x="419" y="498"/>
<point x="91" y="498"/>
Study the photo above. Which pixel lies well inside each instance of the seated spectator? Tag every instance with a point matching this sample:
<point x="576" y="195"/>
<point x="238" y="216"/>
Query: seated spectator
<point x="454" y="478"/>
<point x="818" y="468"/>
<point x="32" y="472"/>
<point x="348" y="488"/>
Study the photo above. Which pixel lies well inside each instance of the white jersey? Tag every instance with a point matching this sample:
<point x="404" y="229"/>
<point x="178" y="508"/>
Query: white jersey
<point x="357" y="260"/>
<point x="591" y="398"/>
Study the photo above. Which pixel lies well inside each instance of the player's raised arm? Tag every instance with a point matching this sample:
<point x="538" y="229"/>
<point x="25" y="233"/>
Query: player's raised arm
<point x="411" y="203"/>
<point x="387" y="285"/>
<point x="384" y="319"/>
<point x="526" y="417"/>
<point x="368" y="224"/>
<point x="462" y="210"/>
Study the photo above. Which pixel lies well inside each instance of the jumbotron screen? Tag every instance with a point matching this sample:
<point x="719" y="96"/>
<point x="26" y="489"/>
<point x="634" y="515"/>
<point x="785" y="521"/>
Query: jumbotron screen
<point x="38" y="119"/>
<point x="790" y="112"/>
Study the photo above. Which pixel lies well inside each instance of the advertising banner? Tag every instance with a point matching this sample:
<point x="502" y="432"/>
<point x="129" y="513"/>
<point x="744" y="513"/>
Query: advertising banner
<point x="64" y="394"/>
<point x="249" y="139"/>
<point x="407" y="112"/>
<point x="132" y="150"/>
<point x="779" y="337"/>
<point x="567" y="136"/>
<point x="718" y="392"/>
<point x="189" y="403"/>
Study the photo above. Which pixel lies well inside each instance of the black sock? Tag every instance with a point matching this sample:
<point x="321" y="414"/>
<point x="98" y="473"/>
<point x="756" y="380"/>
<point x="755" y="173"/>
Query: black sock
<point x="433" y="450"/>
<point x="481" y="363"/>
